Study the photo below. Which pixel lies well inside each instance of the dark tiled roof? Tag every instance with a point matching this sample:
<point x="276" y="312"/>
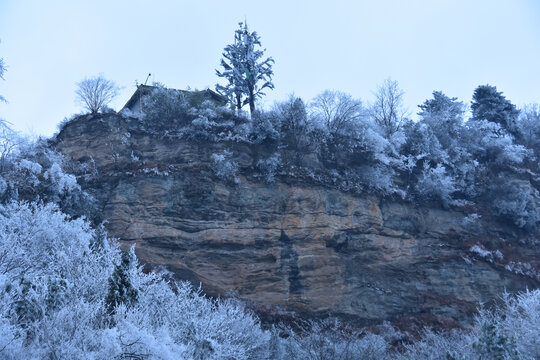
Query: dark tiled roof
<point x="193" y="97"/>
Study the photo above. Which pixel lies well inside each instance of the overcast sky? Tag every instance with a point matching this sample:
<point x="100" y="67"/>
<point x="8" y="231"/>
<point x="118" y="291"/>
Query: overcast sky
<point x="351" y="46"/>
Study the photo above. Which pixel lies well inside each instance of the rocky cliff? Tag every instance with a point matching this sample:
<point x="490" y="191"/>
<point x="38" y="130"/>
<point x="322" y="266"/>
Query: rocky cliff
<point x="292" y="245"/>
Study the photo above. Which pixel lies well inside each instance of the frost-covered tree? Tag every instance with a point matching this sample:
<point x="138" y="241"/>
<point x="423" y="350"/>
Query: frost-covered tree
<point x="294" y="124"/>
<point x="435" y="184"/>
<point x="337" y="111"/>
<point x="493" y="145"/>
<point x="246" y="73"/>
<point x="444" y="115"/>
<point x="8" y="142"/>
<point x="388" y="110"/>
<point x="225" y="167"/>
<point x="491" y="105"/>
<point x="516" y="201"/>
<point x="528" y="127"/>
<point x="96" y="93"/>
<point x="2" y="71"/>
<point x="121" y="289"/>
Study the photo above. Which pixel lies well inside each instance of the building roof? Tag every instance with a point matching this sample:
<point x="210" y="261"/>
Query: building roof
<point x="194" y="97"/>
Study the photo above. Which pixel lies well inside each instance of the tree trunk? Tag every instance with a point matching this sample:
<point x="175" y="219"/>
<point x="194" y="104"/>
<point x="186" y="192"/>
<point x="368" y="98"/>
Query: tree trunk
<point x="238" y="102"/>
<point x="251" y="101"/>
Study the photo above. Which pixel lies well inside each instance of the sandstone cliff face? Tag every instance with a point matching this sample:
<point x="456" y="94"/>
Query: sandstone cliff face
<point x="292" y="245"/>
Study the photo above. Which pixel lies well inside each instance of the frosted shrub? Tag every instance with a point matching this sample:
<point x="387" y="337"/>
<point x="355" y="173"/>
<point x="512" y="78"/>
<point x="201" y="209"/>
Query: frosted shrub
<point x="523" y="268"/>
<point x="329" y="339"/>
<point x="486" y="254"/>
<point x="455" y="345"/>
<point x="378" y="177"/>
<point x="62" y="182"/>
<point x="519" y="317"/>
<point x="31" y="166"/>
<point x="268" y="167"/>
<point x="517" y="204"/>
<point x="164" y="108"/>
<point x="212" y="122"/>
<point x="265" y="127"/>
<point x="509" y="332"/>
<point x="225" y="168"/>
<point x="436" y="184"/>
<point x="491" y="143"/>
<point x="202" y="128"/>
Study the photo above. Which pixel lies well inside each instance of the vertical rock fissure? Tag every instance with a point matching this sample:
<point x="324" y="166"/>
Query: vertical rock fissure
<point x="289" y="264"/>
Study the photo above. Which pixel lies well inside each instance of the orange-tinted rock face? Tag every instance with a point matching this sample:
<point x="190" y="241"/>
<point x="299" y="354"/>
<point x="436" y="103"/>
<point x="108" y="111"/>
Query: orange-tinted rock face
<point x="290" y="244"/>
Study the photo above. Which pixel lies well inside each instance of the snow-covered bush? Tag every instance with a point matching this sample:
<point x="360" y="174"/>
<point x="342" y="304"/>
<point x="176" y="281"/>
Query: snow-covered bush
<point x="376" y="178"/>
<point x="491" y="143"/>
<point x="528" y="127"/>
<point x="481" y="252"/>
<point x="266" y="127"/>
<point x="517" y="203"/>
<point x="268" y="167"/>
<point x="294" y="124"/>
<point x="508" y="332"/>
<point x="330" y="339"/>
<point x="164" y="108"/>
<point x="435" y="184"/>
<point x="61" y="182"/>
<point x="224" y="167"/>
<point x="523" y="268"/>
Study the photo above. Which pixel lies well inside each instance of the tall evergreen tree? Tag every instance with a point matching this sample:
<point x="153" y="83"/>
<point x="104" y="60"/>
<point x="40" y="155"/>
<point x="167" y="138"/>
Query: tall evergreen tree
<point x="491" y="105"/>
<point x="246" y="73"/>
<point x="121" y="290"/>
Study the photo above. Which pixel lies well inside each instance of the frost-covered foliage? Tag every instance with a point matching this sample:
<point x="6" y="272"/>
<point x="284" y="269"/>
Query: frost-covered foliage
<point x="269" y="167"/>
<point x="266" y="127"/>
<point x="330" y="339"/>
<point x="490" y="256"/>
<point x="437" y="150"/>
<point x="436" y="184"/>
<point x="224" y="167"/>
<point x="31" y="170"/>
<point x="9" y="141"/>
<point x="295" y="126"/>
<point x="528" y="128"/>
<point x="66" y="293"/>
<point x="517" y="202"/>
<point x="387" y="110"/>
<point x="337" y="111"/>
<point x="491" y="105"/>
<point x="492" y="144"/>
<point x="212" y="122"/>
<point x="165" y="107"/>
<point x="509" y="332"/>
<point x="194" y="115"/>
<point x="2" y="71"/>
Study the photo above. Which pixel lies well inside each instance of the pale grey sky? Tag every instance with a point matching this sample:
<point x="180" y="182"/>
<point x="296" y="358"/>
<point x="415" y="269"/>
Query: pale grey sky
<point x="352" y="46"/>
